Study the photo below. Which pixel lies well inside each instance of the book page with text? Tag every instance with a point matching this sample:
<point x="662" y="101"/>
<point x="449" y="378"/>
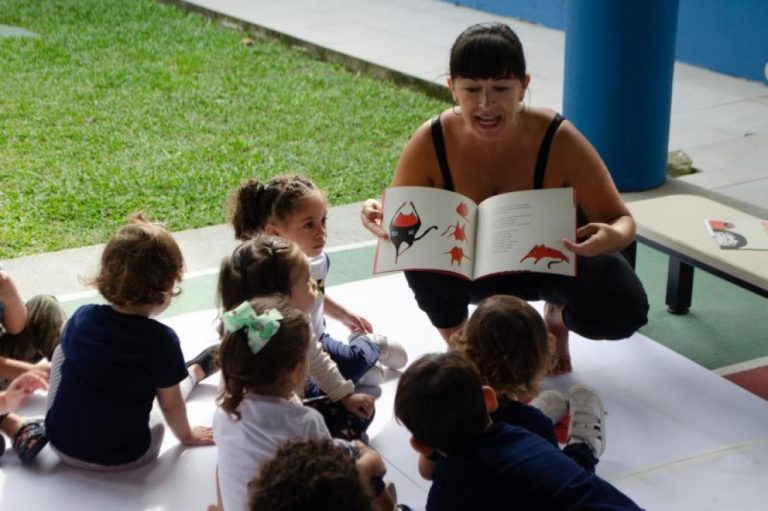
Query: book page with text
<point x="522" y="231"/>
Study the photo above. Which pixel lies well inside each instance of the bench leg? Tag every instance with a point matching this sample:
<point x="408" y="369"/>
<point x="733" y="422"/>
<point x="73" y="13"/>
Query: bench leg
<point x="679" y="286"/>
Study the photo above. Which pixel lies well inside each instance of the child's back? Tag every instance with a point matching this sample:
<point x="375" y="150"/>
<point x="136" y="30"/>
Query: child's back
<point x="114" y="360"/>
<point x="112" y="365"/>
<point x="479" y="465"/>
<point x="263" y="358"/>
<point x="509" y="467"/>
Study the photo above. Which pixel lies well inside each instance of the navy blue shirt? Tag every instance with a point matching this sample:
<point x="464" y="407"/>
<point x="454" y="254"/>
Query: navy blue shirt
<point x="531" y="418"/>
<point x="508" y="467"/>
<point x="114" y="364"/>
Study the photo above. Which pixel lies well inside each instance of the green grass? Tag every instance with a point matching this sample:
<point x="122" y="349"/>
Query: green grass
<point x="122" y="106"/>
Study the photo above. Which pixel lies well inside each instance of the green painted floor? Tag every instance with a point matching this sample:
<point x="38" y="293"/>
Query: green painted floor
<point x="726" y="324"/>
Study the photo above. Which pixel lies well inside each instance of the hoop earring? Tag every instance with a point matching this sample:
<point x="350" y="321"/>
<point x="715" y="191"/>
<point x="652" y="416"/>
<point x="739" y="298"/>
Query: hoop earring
<point x="455" y="112"/>
<point x="522" y="105"/>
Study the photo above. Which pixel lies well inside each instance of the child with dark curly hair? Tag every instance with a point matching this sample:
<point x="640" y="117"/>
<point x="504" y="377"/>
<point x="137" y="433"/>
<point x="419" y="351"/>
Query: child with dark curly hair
<point x="114" y="360"/>
<point x="317" y="475"/>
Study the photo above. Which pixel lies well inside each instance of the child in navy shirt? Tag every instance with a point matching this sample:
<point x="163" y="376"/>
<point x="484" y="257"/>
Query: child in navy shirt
<point x="114" y="360"/>
<point x="480" y="465"/>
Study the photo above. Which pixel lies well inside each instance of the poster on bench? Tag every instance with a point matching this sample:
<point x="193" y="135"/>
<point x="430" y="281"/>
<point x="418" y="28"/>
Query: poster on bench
<point x="746" y="233"/>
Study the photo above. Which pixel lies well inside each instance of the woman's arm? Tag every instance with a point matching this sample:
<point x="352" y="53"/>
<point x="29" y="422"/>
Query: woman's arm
<point x="417" y="166"/>
<point x="574" y="162"/>
<point x="175" y="412"/>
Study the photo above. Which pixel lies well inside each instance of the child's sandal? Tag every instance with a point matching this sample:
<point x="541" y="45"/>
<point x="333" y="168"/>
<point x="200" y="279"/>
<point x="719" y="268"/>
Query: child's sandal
<point x="208" y="360"/>
<point x="29" y="440"/>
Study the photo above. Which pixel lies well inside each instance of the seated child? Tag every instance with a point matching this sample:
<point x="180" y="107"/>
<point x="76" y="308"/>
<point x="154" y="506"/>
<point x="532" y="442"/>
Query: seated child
<point x="321" y="474"/>
<point x="292" y="207"/>
<point x="114" y="360"/>
<point x="29" y="332"/>
<point x="263" y="358"/>
<point x="481" y="465"/>
<point x="508" y="342"/>
<point x="266" y="265"/>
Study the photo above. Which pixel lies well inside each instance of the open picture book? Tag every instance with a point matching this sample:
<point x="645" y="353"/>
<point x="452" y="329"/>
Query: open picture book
<point x="439" y="230"/>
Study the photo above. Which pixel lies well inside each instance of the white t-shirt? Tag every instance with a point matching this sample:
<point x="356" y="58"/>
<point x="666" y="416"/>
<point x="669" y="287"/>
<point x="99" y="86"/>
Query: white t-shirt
<point x="243" y="445"/>
<point x="318" y="270"/>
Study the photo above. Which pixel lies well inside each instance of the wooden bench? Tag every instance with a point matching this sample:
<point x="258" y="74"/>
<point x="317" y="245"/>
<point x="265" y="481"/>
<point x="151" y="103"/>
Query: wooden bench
<point x="674" y="224"/>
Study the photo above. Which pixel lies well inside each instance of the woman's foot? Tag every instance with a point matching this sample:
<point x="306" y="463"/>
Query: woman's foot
<point x="553" y="318"/>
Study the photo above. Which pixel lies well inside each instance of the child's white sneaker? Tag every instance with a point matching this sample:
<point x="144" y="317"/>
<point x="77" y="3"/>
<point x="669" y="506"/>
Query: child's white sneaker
<point x="587" y="424"/>
<point x="551" y="403"/>
<point x="372" y="377"/>
<point x="391" y="353"/>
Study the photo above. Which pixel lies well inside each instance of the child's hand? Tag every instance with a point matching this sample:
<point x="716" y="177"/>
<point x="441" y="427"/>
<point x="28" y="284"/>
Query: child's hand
<point x="359" y="404"/>
<point x="357" y="323"/>
<point x="43" y="369"/>
<point x="21" y="388"/>
<point x="200" y="435"/>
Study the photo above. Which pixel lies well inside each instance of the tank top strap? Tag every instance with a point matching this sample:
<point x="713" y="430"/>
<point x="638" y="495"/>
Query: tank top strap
<point x="546" y="144"/>
<point x="439" y="142"/>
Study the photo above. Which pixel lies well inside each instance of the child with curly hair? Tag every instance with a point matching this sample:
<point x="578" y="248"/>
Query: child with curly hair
<point x="507" y="340"/>
<point x="114" y="360"/>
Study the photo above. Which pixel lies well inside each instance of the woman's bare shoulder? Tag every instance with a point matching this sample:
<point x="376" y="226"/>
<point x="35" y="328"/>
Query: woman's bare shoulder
<point x="418" y="162"/>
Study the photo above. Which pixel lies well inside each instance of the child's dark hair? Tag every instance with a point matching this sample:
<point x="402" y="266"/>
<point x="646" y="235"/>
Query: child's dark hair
<point x="260" y="266"/>
<point x="140" y="264"/>
<point x="253" y="204"/>
<point x="440" y="400"/>
<point x="263" y="372"/>
<point x="487" y="51"/>
<point x="508" y="342"/>
<point x="309" y="475"/>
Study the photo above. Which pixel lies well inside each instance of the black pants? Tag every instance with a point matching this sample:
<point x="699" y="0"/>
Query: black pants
<point x="605" y="300"/>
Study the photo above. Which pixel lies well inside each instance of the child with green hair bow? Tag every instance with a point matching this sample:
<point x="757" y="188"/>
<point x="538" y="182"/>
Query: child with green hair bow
<point x="259" y="327"/>
<point x="263" y="358"/>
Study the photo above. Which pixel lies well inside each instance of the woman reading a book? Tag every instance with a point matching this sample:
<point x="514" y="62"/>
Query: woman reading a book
<point x="490" y="143"/>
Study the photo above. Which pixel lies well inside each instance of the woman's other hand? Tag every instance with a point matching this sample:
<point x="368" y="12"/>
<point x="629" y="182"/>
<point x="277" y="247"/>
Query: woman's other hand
<point x="370" y="216"/>
<point x="596" y="238"/>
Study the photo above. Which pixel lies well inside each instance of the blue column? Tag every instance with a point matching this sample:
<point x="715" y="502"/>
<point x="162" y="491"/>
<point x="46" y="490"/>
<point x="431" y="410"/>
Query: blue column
<point x="619" y="60"/>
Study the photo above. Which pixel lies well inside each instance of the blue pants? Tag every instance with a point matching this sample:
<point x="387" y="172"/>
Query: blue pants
<point x="353" y="358"/>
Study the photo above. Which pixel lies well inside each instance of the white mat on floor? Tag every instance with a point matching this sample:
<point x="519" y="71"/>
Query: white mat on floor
<point x="679" y="437"/>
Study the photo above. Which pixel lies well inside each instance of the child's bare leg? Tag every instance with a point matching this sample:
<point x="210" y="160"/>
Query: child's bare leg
<point x="10" y="424"/>
<point x="553" y="318"/>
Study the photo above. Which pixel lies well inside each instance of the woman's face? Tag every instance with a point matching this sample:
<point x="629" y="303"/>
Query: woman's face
<point x="303" y="289"/>
<point x="489" y="106"/>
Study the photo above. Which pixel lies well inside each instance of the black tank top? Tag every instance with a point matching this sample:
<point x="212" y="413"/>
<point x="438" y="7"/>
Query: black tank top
<point x="541" y="159"/>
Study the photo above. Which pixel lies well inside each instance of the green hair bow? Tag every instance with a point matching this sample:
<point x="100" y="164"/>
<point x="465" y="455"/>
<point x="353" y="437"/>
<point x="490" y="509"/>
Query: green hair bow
<point x="260" y="327"/>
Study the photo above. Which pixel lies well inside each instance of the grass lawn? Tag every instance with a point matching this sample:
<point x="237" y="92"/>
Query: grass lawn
<point x="121" y="106"/>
